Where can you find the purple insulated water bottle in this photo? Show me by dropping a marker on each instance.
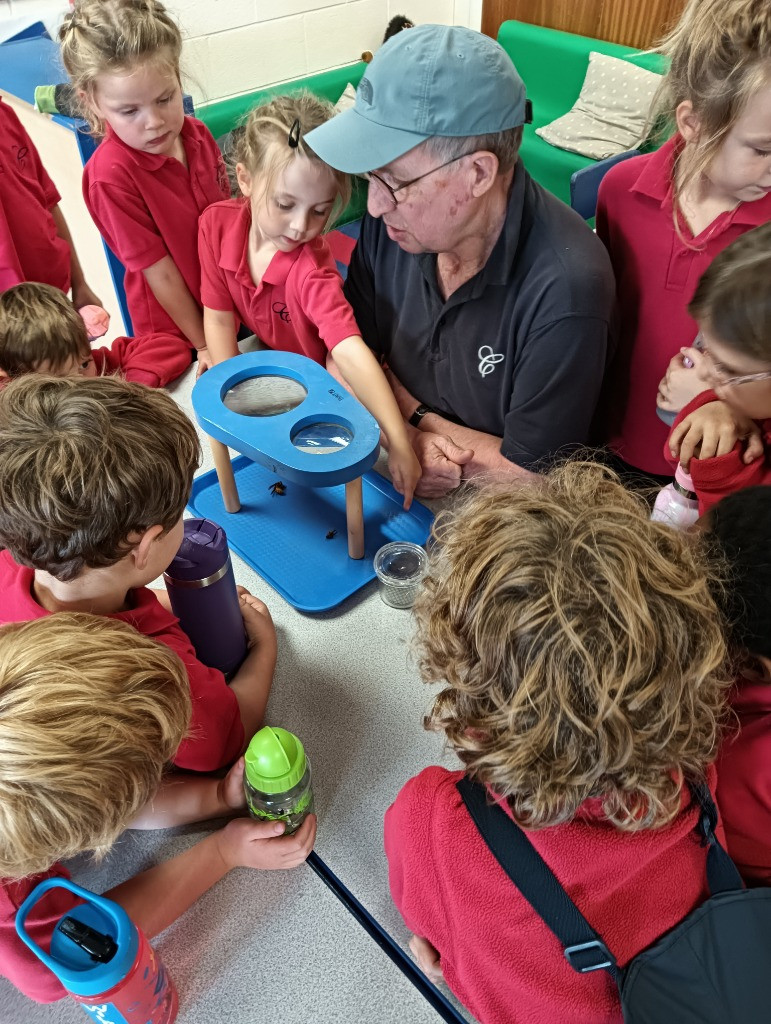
(202, 591)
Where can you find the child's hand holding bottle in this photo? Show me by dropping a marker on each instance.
(682, 382)
(244, 843)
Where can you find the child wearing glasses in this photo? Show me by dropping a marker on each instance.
(665, 215)
(723, 436)
(264, 264)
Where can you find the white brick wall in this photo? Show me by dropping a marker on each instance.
(236, 46)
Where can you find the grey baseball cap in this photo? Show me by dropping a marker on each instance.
(425, 81)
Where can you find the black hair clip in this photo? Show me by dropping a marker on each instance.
(294, 134)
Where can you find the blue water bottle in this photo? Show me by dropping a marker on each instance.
(103, 960)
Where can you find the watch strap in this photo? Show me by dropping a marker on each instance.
(417, 416)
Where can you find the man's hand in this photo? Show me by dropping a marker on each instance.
(681, 383)
(713, 430)
(442, 462)
(428, 959)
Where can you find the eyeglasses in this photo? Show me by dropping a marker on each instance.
(719, 374)
(371, 177)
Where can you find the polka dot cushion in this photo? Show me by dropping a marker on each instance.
(611, 112)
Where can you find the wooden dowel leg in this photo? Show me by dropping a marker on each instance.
(354, 514)
(227, 480)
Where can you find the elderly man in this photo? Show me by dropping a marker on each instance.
(488, 300)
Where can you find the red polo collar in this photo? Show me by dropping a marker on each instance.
(154, 161)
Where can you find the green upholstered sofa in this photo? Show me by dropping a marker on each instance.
(553, 65)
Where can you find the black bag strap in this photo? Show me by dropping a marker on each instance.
(722, 873)
(584, 949)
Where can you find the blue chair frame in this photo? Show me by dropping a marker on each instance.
(585, 184)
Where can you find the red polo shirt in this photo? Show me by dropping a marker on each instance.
(216, 735)
(30, 249)
(17, 961)
(147, 206)
(744, 782)
(298, 306)
(656, 276)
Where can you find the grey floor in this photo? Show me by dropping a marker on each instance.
(279, 946)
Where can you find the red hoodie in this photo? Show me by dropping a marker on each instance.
(715, 478)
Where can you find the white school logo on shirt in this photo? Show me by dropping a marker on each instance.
(488, 360)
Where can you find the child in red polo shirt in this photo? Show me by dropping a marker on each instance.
(582, 656)
(666, 215)
(35, 242)
(40, 332)
(90, 715)
(723, 436)
(740, 527)
(265, 264)
(156, 169)
(94, 477)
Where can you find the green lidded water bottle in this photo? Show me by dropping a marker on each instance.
(277, 778)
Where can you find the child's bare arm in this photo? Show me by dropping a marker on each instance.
(712, 430)
(81, 293)
(169, 288)
(251, 684)
(157, 897)
(182, 799)
(221, 334)
(362, 371)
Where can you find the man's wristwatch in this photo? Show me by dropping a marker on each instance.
(420, 412)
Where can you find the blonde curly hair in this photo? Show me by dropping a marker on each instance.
(583, 653)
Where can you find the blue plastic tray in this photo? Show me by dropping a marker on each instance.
(284, 537)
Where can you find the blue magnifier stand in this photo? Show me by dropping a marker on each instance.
(288, 414)
(306, 447)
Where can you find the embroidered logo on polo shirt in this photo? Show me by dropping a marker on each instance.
(488, 360)
(279, 308)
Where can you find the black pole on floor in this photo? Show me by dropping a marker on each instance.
(393, 951)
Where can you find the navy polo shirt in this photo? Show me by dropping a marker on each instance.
(519, 350)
